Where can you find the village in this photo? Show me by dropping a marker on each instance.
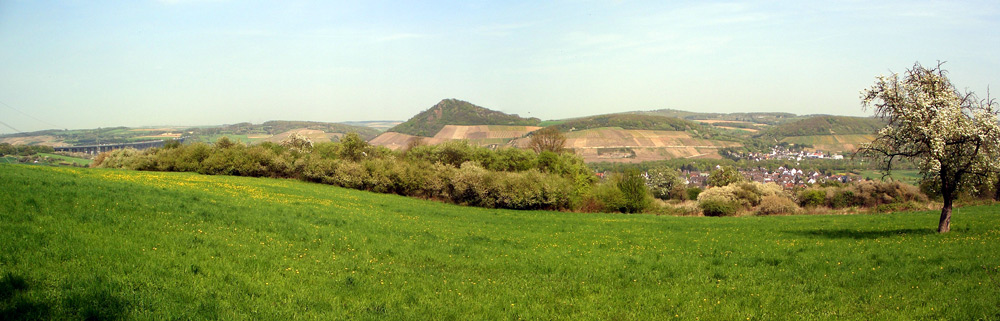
(788, 178)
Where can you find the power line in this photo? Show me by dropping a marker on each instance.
(11, 127)
(54, 126)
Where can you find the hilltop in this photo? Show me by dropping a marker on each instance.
(457, 112)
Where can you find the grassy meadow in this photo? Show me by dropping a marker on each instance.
(909, 176)
(110, 244)
(68, 159)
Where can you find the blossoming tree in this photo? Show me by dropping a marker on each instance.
(953, 137)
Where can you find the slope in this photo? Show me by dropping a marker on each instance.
(827, 125)
(457, 112)
(826, 133)
(109, 244)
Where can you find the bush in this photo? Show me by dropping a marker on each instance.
(607, 196)
(692, 192)
(729, 199)
(719, 207)
(776, 204)
(635, 197)
(473, 185)
(842, 198)
(812, 197)
(455, 171)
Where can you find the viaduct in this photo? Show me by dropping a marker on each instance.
(97, 149)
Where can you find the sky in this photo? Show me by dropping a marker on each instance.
(88, 64)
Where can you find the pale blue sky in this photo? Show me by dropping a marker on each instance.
(86, 64)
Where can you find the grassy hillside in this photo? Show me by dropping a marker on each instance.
(86, 243)
(249, 132)
(240, 131)
(457, 112)
(832, 143)
(827, 125)
(630, 121)
(756, 118)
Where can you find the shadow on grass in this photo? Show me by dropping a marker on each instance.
(859, 235)
(14, 305)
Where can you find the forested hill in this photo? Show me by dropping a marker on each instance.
(769, 118)
(630, 121)
(827, 125)
(457, 112)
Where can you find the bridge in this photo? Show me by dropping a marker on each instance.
(97, 149)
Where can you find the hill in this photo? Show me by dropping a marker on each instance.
(827, 125)
(615, 144)
(112, 244)
(275, 129)
(482, 135)
(629, 121)
(767, 118)
(246, 132)
(457, 112)
(381, 125)
(831, 143)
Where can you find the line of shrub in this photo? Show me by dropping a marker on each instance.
(454, 171)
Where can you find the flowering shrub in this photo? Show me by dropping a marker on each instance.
(730, 199)
(775, 204)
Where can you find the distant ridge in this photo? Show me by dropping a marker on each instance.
(827, 125)
(457, 112)
(630, 121)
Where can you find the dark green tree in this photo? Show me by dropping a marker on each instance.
(634, 193)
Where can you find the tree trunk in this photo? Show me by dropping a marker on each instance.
(945, 224)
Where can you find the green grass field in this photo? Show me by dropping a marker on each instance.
(79, 243)
(73, 160)
(908, 176)
(240, 138)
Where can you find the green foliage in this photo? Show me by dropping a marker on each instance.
(456, 112)
(826, 125)
(719, 207)
(723, 176)
(277, 127)
(693, 192)
(455, 171)
(768, 118)
(224, 142)
(812, 197)
(23, 150)
(629, 121)
(178, 246)
(635, 196)
(861, 194)
(352, 147)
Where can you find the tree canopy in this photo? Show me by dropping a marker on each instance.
(547, 139)
(953, 136)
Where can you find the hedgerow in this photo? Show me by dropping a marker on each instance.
(455, 171)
